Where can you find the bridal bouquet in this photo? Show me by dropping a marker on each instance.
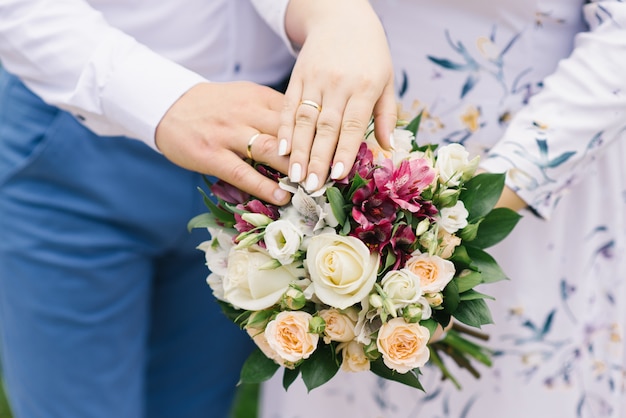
(361, 274)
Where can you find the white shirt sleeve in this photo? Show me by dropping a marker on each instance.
(67, 53)
(581, 109)
(274, 12)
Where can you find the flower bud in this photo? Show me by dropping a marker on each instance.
(293, 298)
(470, 168)
(256, 219)
(317, 325)
(389, 307)
(469, 232)
(429, 241)
(434, 299)
(259, 319)
(371, 351)
(376, 300)
(247, 239)
(422, 227)
(448, 197)
(412, 313)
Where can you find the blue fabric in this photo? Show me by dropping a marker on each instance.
(104, 308)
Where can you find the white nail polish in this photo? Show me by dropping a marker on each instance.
(296, 173)
(311, 183)
(337, 171)
(282, 147)
(392, 141)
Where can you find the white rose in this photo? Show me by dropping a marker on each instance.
(451, 161)
(248, 286)
(402, 287)
(339, 324)
(342, 269)
(447, 243)
(433, 271)
(288, 335)
(282, 240)
(216, 283)
(453, 218)
(403, 345)
(354, 358)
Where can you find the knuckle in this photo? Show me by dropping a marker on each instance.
(305, 119)
(239, 173)
(266, 146)
(328, 124)
(352, 125)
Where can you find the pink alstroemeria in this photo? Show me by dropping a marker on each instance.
(254, 206)
(401, 243)
(370, 207)
(375, 236)
(404, 184)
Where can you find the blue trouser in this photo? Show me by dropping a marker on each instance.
(104, 308)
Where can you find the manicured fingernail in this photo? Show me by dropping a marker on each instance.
(337, 171)
(296, 173)
(392, 141)
(280, 194)
(311, 182)
(282, 147)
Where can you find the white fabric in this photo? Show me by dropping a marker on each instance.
(560, 321)
(118, 65)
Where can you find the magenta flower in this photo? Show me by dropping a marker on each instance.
(404, 184)
(401, 245)
(375, 236)
(229, 193)
(254, 206)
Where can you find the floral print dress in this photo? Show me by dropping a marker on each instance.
(538, 88)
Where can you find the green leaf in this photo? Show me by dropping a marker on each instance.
(290, 376)
(320, 367)
(337, 203)
(204, 220)
(414, 125)
(356, 184)
(488, 267)
(468, 281)
(460, 258)
(221, 214)
(235, 315)
(409, 378)
(431, 324)
(495, 227)
(472, 294)
(474, 313)
(481, 193)
(450, 297)
(257, 368)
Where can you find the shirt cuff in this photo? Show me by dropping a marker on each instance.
(274, 12)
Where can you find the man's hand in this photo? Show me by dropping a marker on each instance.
(209, 128)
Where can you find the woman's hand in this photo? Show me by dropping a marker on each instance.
(342, 77)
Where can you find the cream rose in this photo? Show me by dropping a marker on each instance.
(434, 272)
(451, 162)
(403, 345)
(288, 335)
(453, 218)
(282, 239)
(354, 358)
(339, 324)
(248, 286)
(402, 287)
(342, 269)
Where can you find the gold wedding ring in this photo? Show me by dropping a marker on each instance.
(312, 104)
(250, 142)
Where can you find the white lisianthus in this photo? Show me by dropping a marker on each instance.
(402, 145)
(288, 335)
(452, 163)
(339, 324)
(247, 285)
(217, 249)
(282, 239)
(403, 345)
(402, 287)
(342, 269)
(354, 358)
(433, 271)
(453, 218)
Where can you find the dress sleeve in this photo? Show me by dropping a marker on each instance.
(580, 110)
(66, 53)
(274, 12)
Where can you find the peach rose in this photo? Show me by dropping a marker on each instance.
(434, 272)
(288, 335)
(354, 358)
(339, 325)
(403, 345)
